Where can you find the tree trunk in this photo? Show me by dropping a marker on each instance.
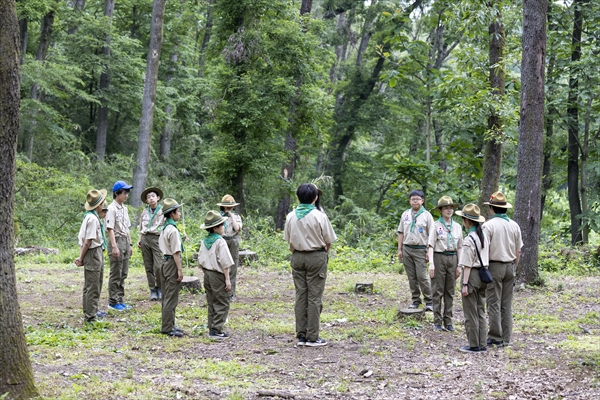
(573, 128)
(109, 7)
(492, 159)
(531, 131)
(78, 5)
(366, 33)
(16, 375)
(140, 171)
(207, 31)
(165, 136)
(23, 25)
(584, 155)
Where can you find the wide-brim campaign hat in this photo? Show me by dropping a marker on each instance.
(227, 201)
(445, 201)
(169, 205)
(498, 199)
(472, 212)
(213, 218)
(94, 198)
(156, 190)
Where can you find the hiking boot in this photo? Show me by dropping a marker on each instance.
(316, 343)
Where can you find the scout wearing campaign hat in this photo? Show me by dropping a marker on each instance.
(95, 198)
(227, 201)
(445, 201)
(213, 218)
(169, 205)
(498, 200)
(156, 190)
(472, 212)
(150, 223)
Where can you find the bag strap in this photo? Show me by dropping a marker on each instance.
(477, 250)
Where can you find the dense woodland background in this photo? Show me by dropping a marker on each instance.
(369, 99)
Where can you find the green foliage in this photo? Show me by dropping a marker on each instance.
(569, 261)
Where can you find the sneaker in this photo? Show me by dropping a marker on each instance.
(429, 307)
(449, 328)
(438, 328)
(316, 343)
(218, 335)
(174, 333)
(158, 293)
(301, 341)
(414, 306)
(125, 306)
(492, 342)
(468, 349)
(231, 298)
(116, 307)
(178, 329)
(101, 314)
(153, 295)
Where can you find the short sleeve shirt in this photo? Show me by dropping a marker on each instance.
(90, 229)
(312, 232)
(117, 218)
(157, 221)
(217, 258)
(169, 241)
(440, 240)
(229, 231)
(420, 234)
(468, 255)
(505, 239)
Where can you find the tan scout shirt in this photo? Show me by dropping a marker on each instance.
(313, 232)
(438, 237)
(169, 241)
(468, 255)
(420, 234)
(229, 231)
(217, 258)
(505, 239)
(117, 218)
(157, 222)
(90, 229)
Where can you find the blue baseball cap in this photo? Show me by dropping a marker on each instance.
(121, 185)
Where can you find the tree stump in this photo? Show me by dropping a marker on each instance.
(363, 288)
(246, 256)
(416, 313)
(192, 284)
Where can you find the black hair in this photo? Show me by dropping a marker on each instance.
(498, 210)
(118, 192)
(223, 208)
(478, 231)
(306, 193)
(168, 215)
(417, 193)
(212, 228)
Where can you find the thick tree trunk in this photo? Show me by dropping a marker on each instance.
(109, 7)
(492, 160)
(140, 171)
(531, 131)
(573, 128)
(167, 133)
(16, 375)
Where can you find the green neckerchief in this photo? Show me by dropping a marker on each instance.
(152, 215)
(170, 221)
(415, 216)
(472, 229)
(303, 209)
(224, 214)
(450, 236)
(93, 212)
(503, 216)
(211, 239)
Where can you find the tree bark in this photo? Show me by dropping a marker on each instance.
(573, 127)
(23, 25)
(531, 131)
(167, 133)
(140, 171)
(207, 32)
(16, 375)
(78, 5)
(109, 7)
(492, 159)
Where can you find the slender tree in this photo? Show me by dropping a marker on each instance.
(140, 171)
(16, 375)
(531, 137)
(109, 7)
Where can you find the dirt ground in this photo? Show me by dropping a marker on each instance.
(555, 352)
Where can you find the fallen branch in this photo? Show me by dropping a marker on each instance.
(276, 393)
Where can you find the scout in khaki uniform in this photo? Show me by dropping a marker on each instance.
(505, 250)
(119, 245)
(91, 253)
(151, 222)
(415, 226)
(233, 227)
(473, 289)
(445, 244)
(309, 234)
(171, 272)
(216, 262)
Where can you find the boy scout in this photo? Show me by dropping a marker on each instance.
(233, 227)
(309, 234)
(216, 262)
(91, 257)
(445, 243)
(171, 272)
(119, 245)
(151, 221)
(505, 250)
(413, 237)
